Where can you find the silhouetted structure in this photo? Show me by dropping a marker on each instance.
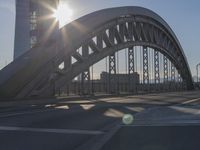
(143, 35)
(34, 23)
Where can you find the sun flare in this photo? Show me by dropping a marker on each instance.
(63, 14)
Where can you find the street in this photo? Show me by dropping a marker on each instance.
(70, 124)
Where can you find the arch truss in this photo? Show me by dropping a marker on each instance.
(87, 41)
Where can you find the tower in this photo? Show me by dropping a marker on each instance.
(34, 24)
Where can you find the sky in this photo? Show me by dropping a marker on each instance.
(183, 16)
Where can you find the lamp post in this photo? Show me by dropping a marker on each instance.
(197, 68)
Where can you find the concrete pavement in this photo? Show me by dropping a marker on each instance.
(64, 124)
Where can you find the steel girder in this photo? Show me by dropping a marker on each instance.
(85, 75)
(131, 67)
(112, 74)
(115, 29)
(165, 67)
(156, 67)
(145, 66)
(173, 74)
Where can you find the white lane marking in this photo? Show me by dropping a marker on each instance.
(190, 101)
(60, 131)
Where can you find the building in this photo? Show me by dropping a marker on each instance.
(120, 78)
(120, 82)
(34, 23)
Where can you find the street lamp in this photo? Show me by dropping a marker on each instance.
(197, 66)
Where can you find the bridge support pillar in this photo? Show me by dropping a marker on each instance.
(112, 74)
(131, 70)
(165, 69)
(112, 67)
(85, 76)
(173, 77)
(145, 69)
(156, 70)
(67, 65)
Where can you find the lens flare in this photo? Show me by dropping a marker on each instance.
(127, 119)
(63, 14)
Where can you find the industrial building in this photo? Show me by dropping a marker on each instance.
(34, 24)
(120, 78)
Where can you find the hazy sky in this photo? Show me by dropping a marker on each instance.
(182, 15)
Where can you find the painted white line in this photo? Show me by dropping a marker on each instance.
(59, 131)
(191, 101)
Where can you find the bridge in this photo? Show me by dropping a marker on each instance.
(154, 62)
(88, 40)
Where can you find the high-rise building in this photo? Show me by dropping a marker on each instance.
(34, 23)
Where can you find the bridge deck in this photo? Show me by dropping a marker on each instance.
(72, 124)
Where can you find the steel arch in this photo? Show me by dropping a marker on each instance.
(117, 28)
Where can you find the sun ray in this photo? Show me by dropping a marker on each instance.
(63, 14)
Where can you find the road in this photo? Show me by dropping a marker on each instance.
(73, 124)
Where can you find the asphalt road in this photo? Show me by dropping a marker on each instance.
(72, 124)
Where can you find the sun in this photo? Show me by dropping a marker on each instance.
(63, 14)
